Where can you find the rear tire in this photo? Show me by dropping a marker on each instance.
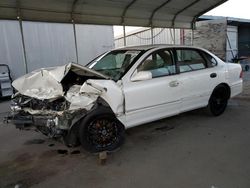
(100, 131)
(218, 101)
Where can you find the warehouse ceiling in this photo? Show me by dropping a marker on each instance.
(155, 13)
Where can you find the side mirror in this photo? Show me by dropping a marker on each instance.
(142, 75)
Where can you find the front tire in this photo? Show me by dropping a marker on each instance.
(101, 131)
(218, 101)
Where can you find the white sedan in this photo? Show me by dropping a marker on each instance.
(120, 89)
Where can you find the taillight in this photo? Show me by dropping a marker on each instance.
(241, 74)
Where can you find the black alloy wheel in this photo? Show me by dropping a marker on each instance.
(218, 100)
(101, 131)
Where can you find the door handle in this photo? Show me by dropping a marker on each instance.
(174, 83)
(213, 75)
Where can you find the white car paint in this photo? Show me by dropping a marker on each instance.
(110, 91)
(154, 99)
(150, 100)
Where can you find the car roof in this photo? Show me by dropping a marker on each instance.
(154, 46)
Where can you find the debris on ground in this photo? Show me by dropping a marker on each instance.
(34, 141)
(164, 128)
(103, 157)
(62, 151)
(75, 152)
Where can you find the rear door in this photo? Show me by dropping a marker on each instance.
(198, 77)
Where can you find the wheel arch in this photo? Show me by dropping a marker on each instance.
(73, 130)
(100, 110)
(227, 88)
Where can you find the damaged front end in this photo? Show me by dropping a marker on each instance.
(53, 100)
(52, 118)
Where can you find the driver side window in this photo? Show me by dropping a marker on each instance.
(159, 63)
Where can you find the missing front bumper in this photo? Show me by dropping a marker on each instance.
(48, 125)
(20, 121)
(52, 125)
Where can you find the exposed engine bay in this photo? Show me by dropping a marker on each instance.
(36, 104)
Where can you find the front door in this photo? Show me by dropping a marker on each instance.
(156, 98)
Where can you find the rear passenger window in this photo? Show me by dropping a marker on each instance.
(189, 60)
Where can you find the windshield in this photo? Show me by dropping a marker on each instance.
(115, 63)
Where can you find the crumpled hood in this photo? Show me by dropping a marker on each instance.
(45, 83)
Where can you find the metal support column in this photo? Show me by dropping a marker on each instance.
(23, 44)
(152, 35)
(182, 36)
(75, 39)
(124, 36)
(174, 34)
(192, 37)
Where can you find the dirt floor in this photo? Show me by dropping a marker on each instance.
(191, 150)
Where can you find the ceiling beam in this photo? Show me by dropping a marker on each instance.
(155, 10)
(125, 11)
(182, 10)
(18, 9)
(73, 7)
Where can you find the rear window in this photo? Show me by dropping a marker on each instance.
(189, 60)
(211, 61)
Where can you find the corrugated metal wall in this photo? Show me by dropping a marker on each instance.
(50, 44)
(93, 40)
(11, 50)
(160, 36)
